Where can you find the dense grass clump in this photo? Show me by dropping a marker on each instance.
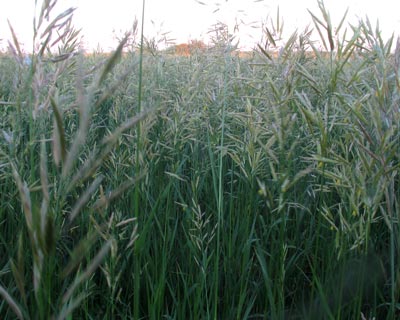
(142, 184)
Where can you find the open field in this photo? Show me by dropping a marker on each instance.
(208, 185)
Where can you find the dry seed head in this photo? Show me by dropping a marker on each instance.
(25, 198)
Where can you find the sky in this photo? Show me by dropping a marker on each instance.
(102, 21)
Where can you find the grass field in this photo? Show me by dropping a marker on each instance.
(146, 185)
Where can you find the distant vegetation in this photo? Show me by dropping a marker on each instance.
(201, 184)
(187, 49)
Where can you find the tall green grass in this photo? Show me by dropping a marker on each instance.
(147, 185)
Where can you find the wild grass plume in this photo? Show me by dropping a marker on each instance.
(210, 185)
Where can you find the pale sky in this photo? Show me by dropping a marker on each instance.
(186, 20)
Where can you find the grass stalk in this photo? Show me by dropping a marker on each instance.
(136, 200)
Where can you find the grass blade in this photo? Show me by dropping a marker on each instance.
(59, 141)
(94, 264)
(11, 302)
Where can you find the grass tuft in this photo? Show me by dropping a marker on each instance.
(209, 185)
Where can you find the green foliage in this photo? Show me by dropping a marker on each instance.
(257, 187)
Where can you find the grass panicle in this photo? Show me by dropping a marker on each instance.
(205, 183)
